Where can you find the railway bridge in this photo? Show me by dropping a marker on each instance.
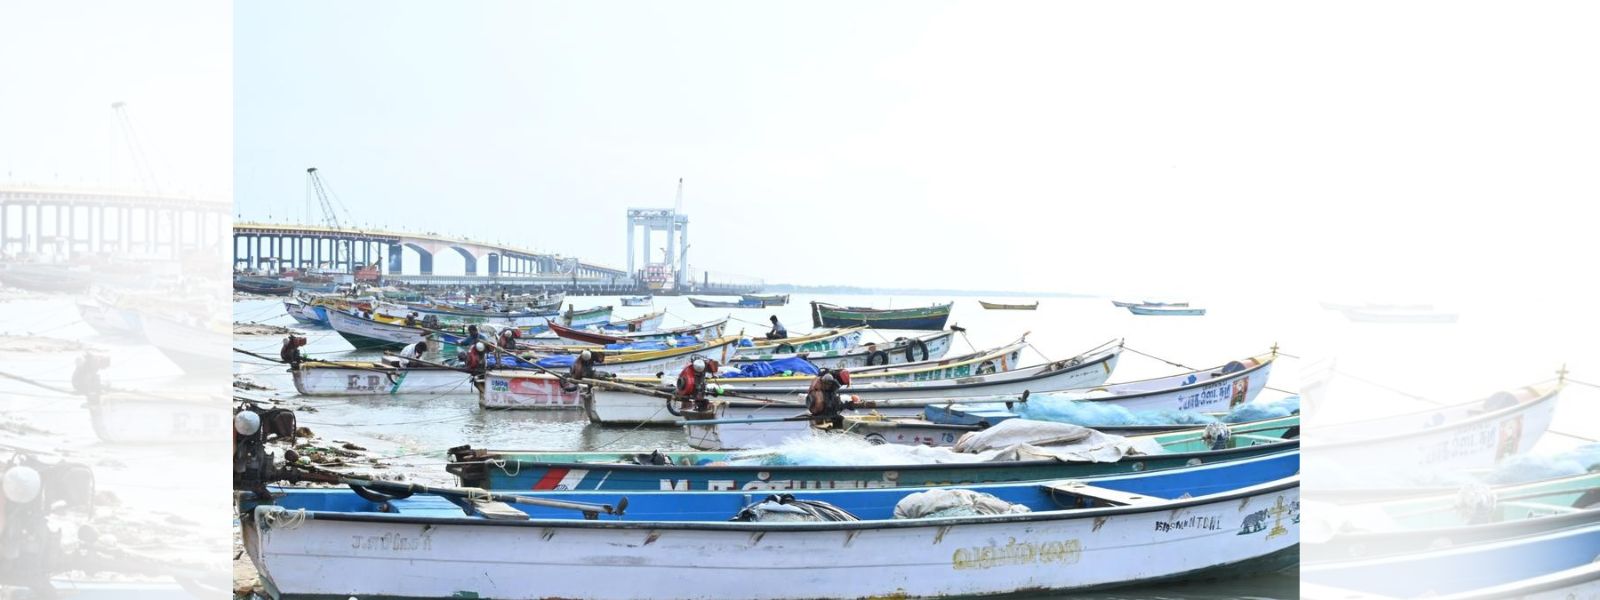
(274, 246)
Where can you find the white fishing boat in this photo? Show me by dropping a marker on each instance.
(529, 390)
(1206, 390)
(366, 334)
(1471, 435)
(962, 380)
(929, 346)
(196, 347)
(1065, 535)
(166, 417)
(361, 378)
(1167, 311)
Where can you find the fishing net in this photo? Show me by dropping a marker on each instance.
(953, 503)
(782, 508)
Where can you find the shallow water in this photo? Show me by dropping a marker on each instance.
(1490, 348)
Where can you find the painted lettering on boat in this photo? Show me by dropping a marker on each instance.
(1211, 523)
(392, 542)
(363, 383)
(1215, 393)
(890, 479)
(1467, 442)
(1015, 553)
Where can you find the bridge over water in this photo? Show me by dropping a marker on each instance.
(67, 221)
(262, 245)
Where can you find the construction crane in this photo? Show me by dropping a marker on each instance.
(142, 171)
(315, 188)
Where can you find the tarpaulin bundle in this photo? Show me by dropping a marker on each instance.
(784, 507)
(943, 502)
(785, 366)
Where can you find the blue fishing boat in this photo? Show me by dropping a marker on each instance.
(1507, 568)
(1229, 519)
(1167, 311)
(689, 471)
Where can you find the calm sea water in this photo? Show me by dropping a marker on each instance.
(1490, 348)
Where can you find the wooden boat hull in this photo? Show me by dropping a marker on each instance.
(924, 317)
(704, 303)
(836, 339)
(1457, 438)
(523, 390)
(768, 299)
(264, 287)
(1126, 304)
(1160, 311)
(1000, 306)
(640, 301)
(509, 470)
(1472, 570)
(368, 334)
(372, 379)
(934, 347)
(149, 418)
(424, 552)
(106, 320)
(306, 314)
(194, 348)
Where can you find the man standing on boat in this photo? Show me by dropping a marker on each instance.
(778, 332)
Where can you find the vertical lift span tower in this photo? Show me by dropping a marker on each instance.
(666, 275)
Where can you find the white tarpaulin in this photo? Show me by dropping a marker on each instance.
(943, 502)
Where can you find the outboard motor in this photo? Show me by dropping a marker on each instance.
(32, 489)
(253, 465)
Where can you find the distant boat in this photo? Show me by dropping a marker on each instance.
(266, 286)
(922, 317)
(740, 303)
(46, 277)
(1146, 303)
(768, 299)
(999, 306)
(1167, 311)
(1397, 314)
(637, 300)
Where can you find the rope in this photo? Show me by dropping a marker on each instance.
(284, 518)
(37, 384)
(501, 464)
(1152, 356)
(1583, 383)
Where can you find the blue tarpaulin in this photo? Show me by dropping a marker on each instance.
(787, 366)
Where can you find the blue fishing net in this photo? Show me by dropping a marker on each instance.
(1264, 409)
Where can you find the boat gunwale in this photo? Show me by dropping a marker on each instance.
(1521, 405)
(484, 457)
(1235, 375)
(1066, 514)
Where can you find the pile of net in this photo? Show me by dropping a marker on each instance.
(1011, 440)
(953, 503)
(1079, 408)
(784, 508)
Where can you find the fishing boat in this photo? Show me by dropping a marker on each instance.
(740, 303)
(929, 346)
(265, 286)
(1065, 535)
(306, 313)
(1412, 525)
(1147, 303)
(1167, 311)
(922, 317)
(507, 388)
(1555, 564)
(825, 339)
(1215, 389)
(767, 299)
(640, 324)
(462, 317)
(371, 334)
(637, 300)
(702, 331)
(639, 403)
(942, 380)
(365, 378)
(999, 306)
(105, 319)
(165, 417)
(1367, 314)
(1470, 435)
(49, 278)
(771, 470)
(718, 433)
(197, 347)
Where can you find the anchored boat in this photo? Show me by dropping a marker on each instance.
(1052, 536)
(930, 346)
(923, 317)
(1000, 306)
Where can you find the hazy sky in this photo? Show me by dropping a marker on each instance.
(62, 65)
(1366, 148)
